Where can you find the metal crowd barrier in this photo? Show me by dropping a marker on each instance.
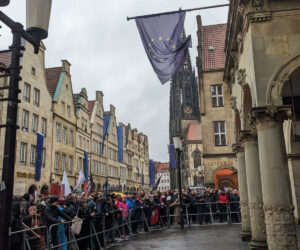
(102, 236)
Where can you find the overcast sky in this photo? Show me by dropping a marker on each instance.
(107, 54)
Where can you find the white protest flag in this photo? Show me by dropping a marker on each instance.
(66, 184)
(81, 179)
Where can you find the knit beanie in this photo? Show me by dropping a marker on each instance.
(53, 199)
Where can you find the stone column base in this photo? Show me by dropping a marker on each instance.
(245, 236)
(257, 245)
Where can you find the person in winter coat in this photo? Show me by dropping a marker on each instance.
(16, 240)
(125, 213)
(51, 214)
(235, 206)
(83, 213)
(61, 228)
(33, 220)
(223, 201)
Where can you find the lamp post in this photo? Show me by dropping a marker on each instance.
(178, 148)
(38, 15)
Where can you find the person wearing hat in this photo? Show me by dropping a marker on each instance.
(51, 214)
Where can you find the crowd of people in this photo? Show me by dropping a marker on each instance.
(113, 216)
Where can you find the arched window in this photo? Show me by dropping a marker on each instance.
(197, 158)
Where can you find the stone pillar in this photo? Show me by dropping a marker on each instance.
(276, 187)
(257, 218)
(246, 227)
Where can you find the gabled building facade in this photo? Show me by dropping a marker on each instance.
(64, 123)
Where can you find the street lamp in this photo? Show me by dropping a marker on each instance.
(178, 148)
(38, 15)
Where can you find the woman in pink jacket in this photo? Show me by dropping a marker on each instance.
(123, 206)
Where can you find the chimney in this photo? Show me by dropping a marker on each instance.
(66, 66)
(99, 96)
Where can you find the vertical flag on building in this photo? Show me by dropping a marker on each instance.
(66, 185)
(151, 172)
(143, 177)
(81, 179)
(172, 156)
(161, 35)
(39, 156)
(86, 170)
(138, 170)
(120, 143)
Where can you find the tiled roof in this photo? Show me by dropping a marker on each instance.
(213, 46)
(52, 78)
(91, 108)
(194, 132)
(5, 58)
(161, 167)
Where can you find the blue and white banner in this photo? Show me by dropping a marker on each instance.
(39, 156)
(86, 166)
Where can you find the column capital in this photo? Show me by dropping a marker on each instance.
(273, 113)
(247, 135)
(237, 148)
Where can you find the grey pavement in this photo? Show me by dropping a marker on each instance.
(212, 237)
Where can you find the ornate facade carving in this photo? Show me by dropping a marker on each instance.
(257, 218)
(281, 232)
(241, 77)
(258, 4)
(232, 103)
(237, 148)
(247, 135)
(276, 113)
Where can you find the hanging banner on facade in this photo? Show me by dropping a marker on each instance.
(143, 177)
(106, 120)
(151, 172)
(39, 156)
(120, 143)
(172, 156)
(86, 166)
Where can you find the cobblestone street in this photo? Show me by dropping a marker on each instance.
(216, 237)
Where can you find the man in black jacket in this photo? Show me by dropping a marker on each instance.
(51, 214)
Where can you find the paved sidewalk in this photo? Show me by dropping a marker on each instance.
(212, 237)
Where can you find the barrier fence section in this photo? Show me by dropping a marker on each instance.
(104, 231)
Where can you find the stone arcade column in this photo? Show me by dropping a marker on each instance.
(276, 189)
(257, 218)
(240, 155)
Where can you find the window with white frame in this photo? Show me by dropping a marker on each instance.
(220, 133)
(36, 97)
(70, 164)
(44, 126)
(58, 130)
(23, 153)
(26, 92)
(63, 108)
(35, 120)
(25, 119)
(63, 163)
(56, 161)
(65, 134)
(32, 155)
(217, 95)
(93, 166)
(71, 138)
(68, 111)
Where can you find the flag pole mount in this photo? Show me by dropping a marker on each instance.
(187, 10)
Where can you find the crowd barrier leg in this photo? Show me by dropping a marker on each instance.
(211, 215)
(187, 216)
(96, 236)
(103, 232)
(229, 213)
(145, 221)
(116, 226)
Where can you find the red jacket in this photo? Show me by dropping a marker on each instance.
(223, 198)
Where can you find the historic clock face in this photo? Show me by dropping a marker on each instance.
(188, 110)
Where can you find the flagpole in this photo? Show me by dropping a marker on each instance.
(187, 10)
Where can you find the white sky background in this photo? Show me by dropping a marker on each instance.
(107, 54)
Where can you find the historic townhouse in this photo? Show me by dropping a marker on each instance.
(73, 128)
(34, 116)
(64, 123)
(219, 162)
(128, 156)
(111, 147)
(83, 130)
(98, 159)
